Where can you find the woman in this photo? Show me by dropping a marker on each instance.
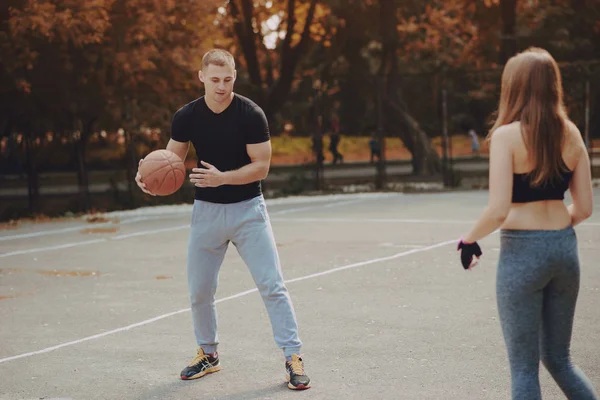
(536, 154)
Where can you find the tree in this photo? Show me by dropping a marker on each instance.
(76, 64)
(273, 84)
(508, 42)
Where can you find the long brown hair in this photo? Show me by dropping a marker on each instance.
(532, 93)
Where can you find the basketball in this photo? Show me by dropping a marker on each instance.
(163, 172)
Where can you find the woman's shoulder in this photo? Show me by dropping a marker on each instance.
(508, 129)
(574, 143)
(509, 134)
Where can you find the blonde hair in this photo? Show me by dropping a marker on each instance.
(218, 57)
(532, 93)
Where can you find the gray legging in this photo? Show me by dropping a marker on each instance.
(537, 286)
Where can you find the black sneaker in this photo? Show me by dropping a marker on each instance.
(201, 365)
(296, 378)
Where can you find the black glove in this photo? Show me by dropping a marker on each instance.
(468, 250)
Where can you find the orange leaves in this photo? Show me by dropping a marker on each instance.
(23, 86)
(443, 33)
(491, 3)
(79, 22)
(107, 59)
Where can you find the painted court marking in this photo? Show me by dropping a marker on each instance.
(385, 220)
(180, 211)
(235, 296)
(395, 220)
(339, 203)
(77, 228)
(153, 231)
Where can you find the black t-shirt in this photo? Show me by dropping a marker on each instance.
(220, 140)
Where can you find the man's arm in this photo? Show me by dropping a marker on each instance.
(179, 145)
(258, 169)
(179, 148)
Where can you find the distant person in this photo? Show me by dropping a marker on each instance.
(474, 141)
(335, 140)
(375, 148)
(536, 155)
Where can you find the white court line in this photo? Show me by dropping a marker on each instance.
(235, 296)
(339, 203)
(395, 220)
(79, 227)
(168, 213)
(388, 220)
(142, 233)
(64, 246)
(150, 232)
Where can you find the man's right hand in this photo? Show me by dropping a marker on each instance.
(140, 183)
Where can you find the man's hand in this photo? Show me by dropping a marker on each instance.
(207, 177)
(140, 183)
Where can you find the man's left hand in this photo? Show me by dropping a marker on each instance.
(207, 177)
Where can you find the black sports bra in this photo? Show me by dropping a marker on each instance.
(523, 192)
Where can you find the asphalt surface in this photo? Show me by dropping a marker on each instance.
(100, 310)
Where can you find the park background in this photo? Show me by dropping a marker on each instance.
(87, 88)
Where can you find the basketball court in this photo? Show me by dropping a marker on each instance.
(101, 311)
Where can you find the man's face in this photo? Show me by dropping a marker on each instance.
(218, 82)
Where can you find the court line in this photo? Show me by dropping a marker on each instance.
(93, 241)
(171, 214)
(395, 220)
(79, 227)
(62, 246)
(153, 231)
(339, 203)
(389, 220)
(235, 296)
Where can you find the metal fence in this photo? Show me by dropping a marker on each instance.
(420, 109)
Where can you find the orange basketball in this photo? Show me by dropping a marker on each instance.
(163, 172)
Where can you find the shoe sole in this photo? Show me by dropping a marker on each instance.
(299, 387)
(201, 374)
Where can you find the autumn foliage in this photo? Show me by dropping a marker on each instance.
(72, 69)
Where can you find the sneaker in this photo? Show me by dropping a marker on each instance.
(201, 365)
(296, 378)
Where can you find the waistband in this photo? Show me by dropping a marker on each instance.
(537, 233)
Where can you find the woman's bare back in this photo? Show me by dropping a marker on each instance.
(546, 214)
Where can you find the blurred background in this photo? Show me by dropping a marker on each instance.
(360, 94)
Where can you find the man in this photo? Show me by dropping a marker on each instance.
(231, 136)
(334, 138)
(474, 141)
(375, 148)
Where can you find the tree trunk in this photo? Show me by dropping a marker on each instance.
(274, 97)
(131, 163)
(425, 160)
(33, 186)
(508, 41)
(82, 171)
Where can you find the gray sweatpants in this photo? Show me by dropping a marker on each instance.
(537, 286)
(245, 224)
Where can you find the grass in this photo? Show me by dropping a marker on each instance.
(297, 150)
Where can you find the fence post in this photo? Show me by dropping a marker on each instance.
(587, 114)
(445, 169)
(380, 179)
(318, 136)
